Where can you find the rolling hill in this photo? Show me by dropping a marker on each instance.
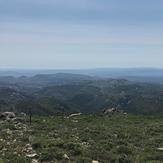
(48, 94)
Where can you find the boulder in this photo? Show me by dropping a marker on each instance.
(94, 161)
(23, 114)
(34, 161)
(65, 156)
(8, 115)
(160, 149)
(19, 121)
(2, 116)
(112, 110)
(34, 155)
(75, 114)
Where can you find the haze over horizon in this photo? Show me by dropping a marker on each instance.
(51, 34)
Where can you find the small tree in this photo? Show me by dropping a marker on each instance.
(30, 116)
(29, 108)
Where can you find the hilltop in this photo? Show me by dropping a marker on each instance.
(116, 138)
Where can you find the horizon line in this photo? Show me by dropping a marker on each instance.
(91, 68)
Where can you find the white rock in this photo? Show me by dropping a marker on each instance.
(15, 153)
(75, 114)
(8, 143)
(4, 149)
(9, 131)
(34, 155)
(23, 114)
(66, 157)
(94, 161)
(34, 161)
(160, 149)
(9, 114)
(75, 121)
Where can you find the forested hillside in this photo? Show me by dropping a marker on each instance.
(49, 94)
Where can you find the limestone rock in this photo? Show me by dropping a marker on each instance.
(160, 149)
(65, 156)
(94, 161)
(34, 161)
(34, 155)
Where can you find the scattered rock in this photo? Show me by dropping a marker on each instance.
(115, 135)
(2, 116)
(8, 131)
(160, 149)
(75, 114)
(65, 156)
(75, 121)
(19, 121)
(8, 143)
(23, 114)
(34, 155)
(7, 115)
(31, 138)
(94, 161)
(112, 110)
(4, 149)
(15, 153)
(28, 149)
(34, 161)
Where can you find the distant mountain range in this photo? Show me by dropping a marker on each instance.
(150, 75)
(47, 94)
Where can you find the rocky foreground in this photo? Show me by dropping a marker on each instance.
(81, 139)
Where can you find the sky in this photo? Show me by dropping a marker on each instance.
(63, 34)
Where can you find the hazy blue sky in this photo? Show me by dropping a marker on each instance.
(81, 33)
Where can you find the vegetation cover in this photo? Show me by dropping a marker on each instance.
(116, 138)
(50, 94)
